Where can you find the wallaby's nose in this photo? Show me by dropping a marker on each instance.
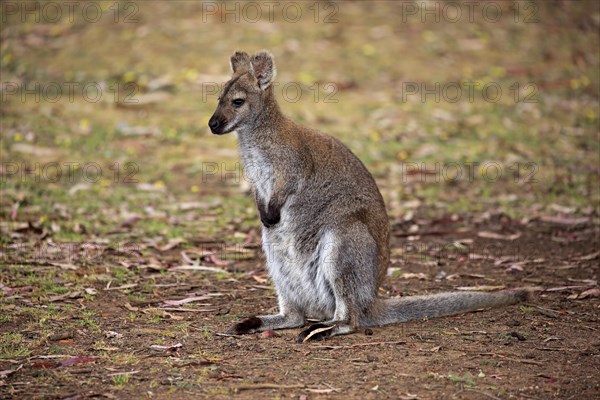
(213, 123)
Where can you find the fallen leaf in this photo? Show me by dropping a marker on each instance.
(148, 187)
(44, 364)
(563, 209)
(481, 288)
(564, 220)
(595, 292)
(410, 275)
(130, 221)
(198, 268)
(217, 261)
(34, 150)
(130, 307)
(65, 266)
(589, 257)
(319, 330)
(174, 242)
(168, 348)
(259, 278)
(128, 286)
(70, 295)
(124, 373)
(185, 301)
(409, 396)
(322, 391)
(79, 187)
(515, 267)
(9, 372)
(495, 235)
(562, 288)
(113, 335)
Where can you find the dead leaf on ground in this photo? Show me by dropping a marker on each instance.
(260, 278)
(130, 307)
(198, 268)
(319, 330)
(9, 372)
(322, 391)
(552, 219)
(562, 288)
(166, 348)
(123, 373)
(70, 295)
(113, 335)
(411, 275)
(172, 244)
(481, 288)
(589, 257)
(122, 287)
(185, 301)
(595, 292)
(217, 261)
(34, 150)
(498, 236)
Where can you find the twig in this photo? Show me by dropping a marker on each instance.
(548, 312)
(198, 268)
(483, 393)
(185, 309)
(259, 386)
(521, 360)
(351, 346)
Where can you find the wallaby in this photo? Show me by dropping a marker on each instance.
(325, 228)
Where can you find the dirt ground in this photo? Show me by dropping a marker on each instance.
(117, 281)
(547, 348)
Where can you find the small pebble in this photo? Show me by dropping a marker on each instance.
(368, 332)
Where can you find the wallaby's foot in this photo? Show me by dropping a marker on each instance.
(250, 325)
(266, 322)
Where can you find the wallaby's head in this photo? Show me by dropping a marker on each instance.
(243, 97)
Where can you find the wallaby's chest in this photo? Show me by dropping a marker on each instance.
(258, 169)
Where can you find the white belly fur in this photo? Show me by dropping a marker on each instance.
(288, 267)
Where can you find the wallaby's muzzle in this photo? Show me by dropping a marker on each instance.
(216, 125)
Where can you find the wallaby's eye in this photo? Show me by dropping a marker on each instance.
(238, 102)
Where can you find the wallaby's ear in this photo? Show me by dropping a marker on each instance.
(239, 59)
(264, 68)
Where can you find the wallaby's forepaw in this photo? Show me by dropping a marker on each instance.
(247, 326)
(315, 332)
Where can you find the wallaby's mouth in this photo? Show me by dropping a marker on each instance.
(216, 126)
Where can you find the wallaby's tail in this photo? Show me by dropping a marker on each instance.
(401, 309)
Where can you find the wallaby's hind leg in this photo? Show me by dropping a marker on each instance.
(288, 317)
(351, 268)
